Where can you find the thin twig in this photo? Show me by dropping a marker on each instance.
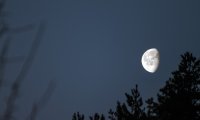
(2, 61)
(42, 102)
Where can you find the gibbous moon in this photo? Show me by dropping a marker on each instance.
(150, 60)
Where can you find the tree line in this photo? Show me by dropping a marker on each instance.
(179, 99)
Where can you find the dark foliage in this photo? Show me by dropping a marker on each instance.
(77, 116)
(179, 99)
(97, 117)
(151, 113)
(132, 110)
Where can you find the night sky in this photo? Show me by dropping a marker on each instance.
(92, 49)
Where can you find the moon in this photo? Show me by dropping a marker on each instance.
(150, 60)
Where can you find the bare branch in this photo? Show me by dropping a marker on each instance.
(2, 61)
(25, 69)
(42, 102)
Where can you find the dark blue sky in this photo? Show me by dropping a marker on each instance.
(93, 48)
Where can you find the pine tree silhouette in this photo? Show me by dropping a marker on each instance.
(77, 116)
(151, 109)
(179, 99)
(134, 110)
(97, 117)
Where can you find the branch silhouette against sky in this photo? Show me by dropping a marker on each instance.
(6, 34)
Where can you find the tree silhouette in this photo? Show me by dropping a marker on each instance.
(151, 109)
(179, 99)
(97, 117)
(134, 110)
(77, 116)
